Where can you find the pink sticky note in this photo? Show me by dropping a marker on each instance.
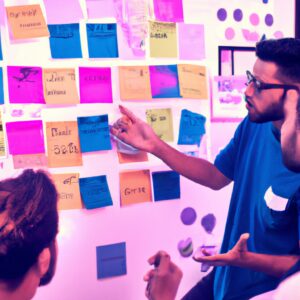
(70, 12)
(191, 41)
(25, 137)
(95, 85)
(168, 10)
(100, 9)
(25, 85)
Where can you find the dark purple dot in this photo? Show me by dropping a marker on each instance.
(188, 216)
(222, 14)
(269, 20)
(265, 1)
(238, 15)
(209, 222)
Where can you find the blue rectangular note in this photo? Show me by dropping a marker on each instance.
(1, 87)
(192, 128)
(94, 133)
(166, 185)
(102, 40)
(111, 260)
(95, 192)
(65, 41)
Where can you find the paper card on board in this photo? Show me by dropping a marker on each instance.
(134, 83)
(192, 81)
(60, 86)
(67, 186)
(26, 21)
(63, 144)
(135, 187)
(1, 87)
(163, 39)
(24, 161)
(100, 9)
(161, 121)
(125, 158)
(168, 10)
(2, 137)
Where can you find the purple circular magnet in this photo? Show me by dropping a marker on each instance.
(229, 33)
(269, 20)
(222, 14)
(254, 19)
(188, 216)
(209, 222)
(238, 15)
(185, 247)
(265, 1)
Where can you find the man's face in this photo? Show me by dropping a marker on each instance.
(267, 104)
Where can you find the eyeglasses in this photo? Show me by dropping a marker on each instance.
(259, 86)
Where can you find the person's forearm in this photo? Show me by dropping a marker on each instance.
(196, 169)
(274, 265)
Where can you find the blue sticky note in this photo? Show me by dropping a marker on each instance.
(95, 192)
(166, 185)
(94, 133)
(111, 260)
(65, 41)
(102, 40)
(191, 128)
(1, 87)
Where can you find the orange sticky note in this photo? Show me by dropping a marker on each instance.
(2, 139)
(135, 83)
(192, 81)
(60, 86)
(24, 161)
(26, 21)
(135, 187)
(129, 158)
(67, 186)
(63, 144)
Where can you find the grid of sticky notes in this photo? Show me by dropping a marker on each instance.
(167, 33)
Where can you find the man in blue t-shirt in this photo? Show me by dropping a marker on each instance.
(262, 202)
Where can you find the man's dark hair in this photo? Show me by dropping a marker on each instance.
(285, 53)
(28, 221)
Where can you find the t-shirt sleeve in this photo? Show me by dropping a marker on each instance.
(226, 159)
(296, 199)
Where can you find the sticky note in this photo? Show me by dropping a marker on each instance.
(134, 83)
(67, 186)
(168, 10)
(100, 9)
(1, 87)
(191, 45)
(25, 137)
(191, 129)
(135, 187)
(111, 260)
(102, 40)
(25, 85)
(166, 185)
(63, 144)
(2, 138)
(192, 81)
(65, 41)
(26, 21)
(95, 192)
(162, 122)
(124, 158)
(94, 133)
(24, 161)
(163, 39)
(71, 11)
(95, 85)
(1, 56)
(60, 86)
(164, 81)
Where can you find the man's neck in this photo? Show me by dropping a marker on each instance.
(278, 124)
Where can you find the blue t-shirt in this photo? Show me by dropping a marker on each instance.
(261, 204)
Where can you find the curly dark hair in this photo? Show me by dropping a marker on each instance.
(28, 221)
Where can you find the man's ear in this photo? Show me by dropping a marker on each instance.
(43, 261)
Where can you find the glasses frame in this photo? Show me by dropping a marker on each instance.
(259, 85)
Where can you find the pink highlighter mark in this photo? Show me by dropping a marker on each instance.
(229, 33)
(254, 19)
(278, 34)
(250, 36)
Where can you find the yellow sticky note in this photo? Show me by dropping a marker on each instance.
(63, 144)
(2, 139)
(67, 186)
(192, 81)
(24, 161)
(124, 158)
(60, 86)
(134, 83)
(163, 39)
(135, 187)
(26, 21)
(162, 123)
